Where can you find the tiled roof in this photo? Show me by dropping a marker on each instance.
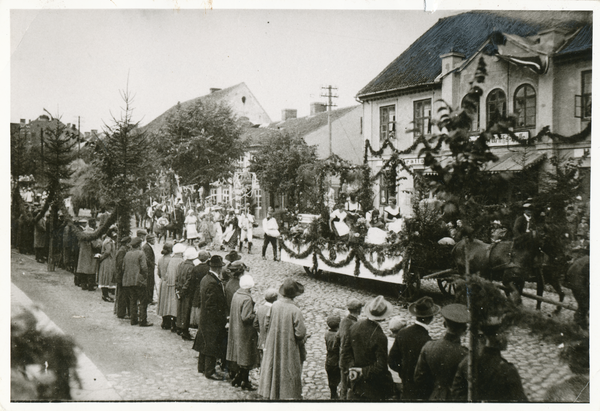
(463, 33)
(296, 126)
(581, 41)
(217, 96)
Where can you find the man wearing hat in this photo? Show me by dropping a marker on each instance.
(151, 262)
(408, 344)
(242, 347)
(524, 224)
(365, 353)
(354, 308)
(135, 280)
(121, 297)
(496, 380)
(281, 367)
(439, 359)
(192, 286)
(184, 307)
(87, 264)
(211, 337)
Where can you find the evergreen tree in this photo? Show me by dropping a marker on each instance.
(59, 142)
(123, 165)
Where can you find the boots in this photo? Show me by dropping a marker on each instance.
(240, 247)
(105, 296)
(173, 324)
(249, 247)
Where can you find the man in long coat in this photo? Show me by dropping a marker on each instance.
(364, 350)
(439, 359)
(184, 306)
(210, 339)
(121, 297)
(242, 342)
(135, 277)
(151, 262)
(281, 368)
(407, 347)
(86, 264)
(39, 240)
(354, 308)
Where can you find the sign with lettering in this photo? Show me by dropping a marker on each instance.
(414, 161)
(505, 139)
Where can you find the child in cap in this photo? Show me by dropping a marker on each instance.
(332, 361)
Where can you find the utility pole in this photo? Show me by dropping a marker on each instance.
(78, 137)
(329, 92)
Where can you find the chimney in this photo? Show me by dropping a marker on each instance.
(450, 61)
(316, 108)
(95, 132)
(288, 113)
(551, 39)
(23, 121)
(213, 89)
(87, 134)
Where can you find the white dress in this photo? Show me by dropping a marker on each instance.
(190, 227)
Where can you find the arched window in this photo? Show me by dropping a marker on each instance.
(471, 104)
(495, 106)
(525, 106)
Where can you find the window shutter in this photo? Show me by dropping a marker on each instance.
(578, 113)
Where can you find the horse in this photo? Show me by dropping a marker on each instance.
(578, 280)
(510, 262)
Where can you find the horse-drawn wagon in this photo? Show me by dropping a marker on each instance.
(400, 265)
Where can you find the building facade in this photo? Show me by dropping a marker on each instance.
(539, 70)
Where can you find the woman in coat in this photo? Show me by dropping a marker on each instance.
(242, 346)
(167, 299)
(281, 368)
(106, 271)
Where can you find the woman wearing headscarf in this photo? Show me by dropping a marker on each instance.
(167, 299)
(281, 368)
(242, 340)
(106, 271)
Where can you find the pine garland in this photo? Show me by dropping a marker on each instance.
(381, 273)
(333, 264)
(296, 255)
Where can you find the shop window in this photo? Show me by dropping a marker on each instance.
(422, 117)
(469, 102)
(525, 106)
(583, 102)
(495, 107)
(387, 122)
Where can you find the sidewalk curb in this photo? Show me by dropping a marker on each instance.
(94, 385)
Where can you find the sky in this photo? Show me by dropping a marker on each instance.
(75, 63)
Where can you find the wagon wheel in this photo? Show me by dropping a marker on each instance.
(447, 286)
(313, 273)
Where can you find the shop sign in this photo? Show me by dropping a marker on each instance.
(505, 139)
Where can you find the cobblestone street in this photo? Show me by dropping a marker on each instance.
(154, 364)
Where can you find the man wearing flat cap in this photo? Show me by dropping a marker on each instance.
(364, 351)
(408, 344)
(439, 359)
(281, 368)
(211, 340)
(354, 308)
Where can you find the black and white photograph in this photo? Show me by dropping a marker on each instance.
(332, 203)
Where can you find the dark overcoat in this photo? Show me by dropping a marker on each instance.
(242, 339)
(211, 337)
(151, 263)
(230, 288)
(135, 270)
(344, 331)
(404, 356)
(192, 285)
(39, 234)
(496, 379)
(437, 366)
(366, 347)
